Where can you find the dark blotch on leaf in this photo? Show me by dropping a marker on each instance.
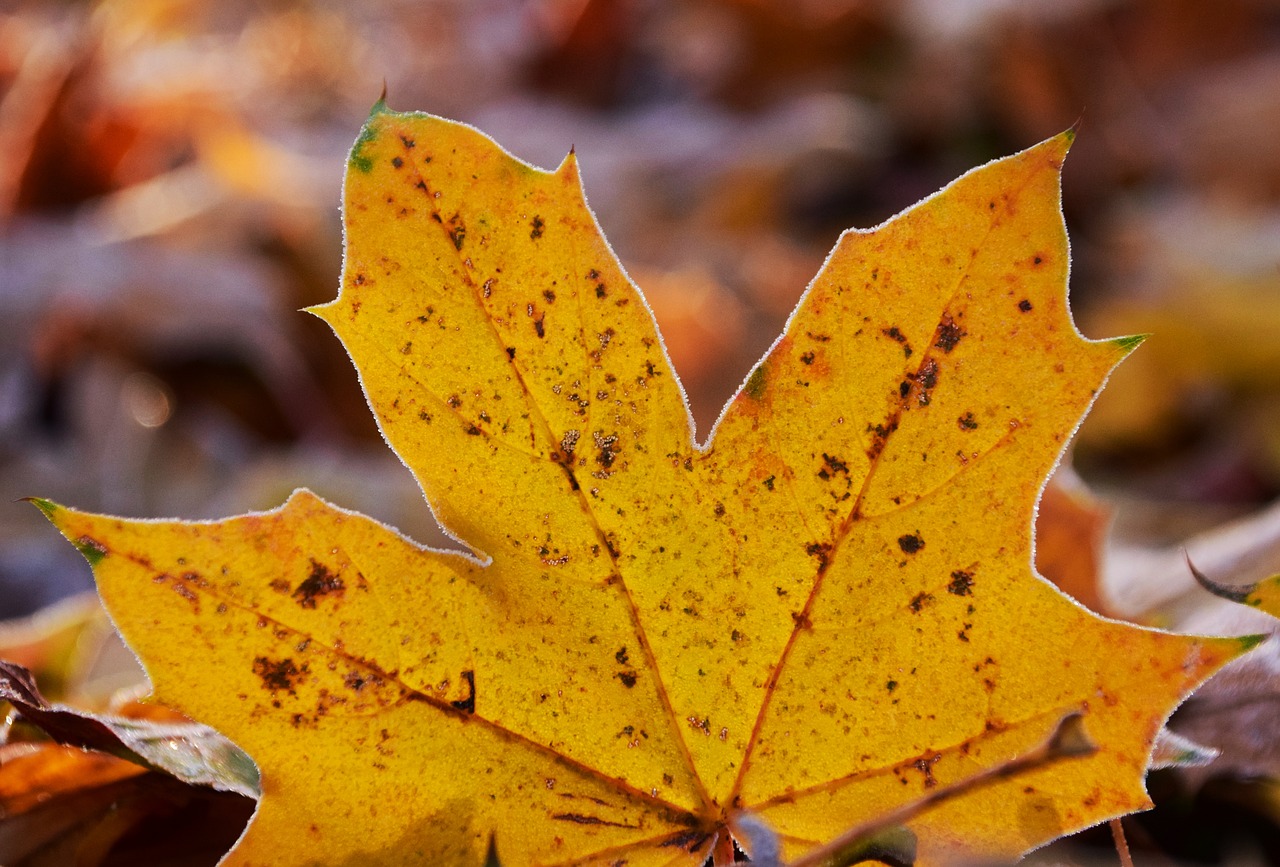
(278, 675)
(538, 226)
(961, 583)
(606, 445)
(949, 334)
(468, 704)
(1024, 305)
(820, 550)
(321, 582)
(910, 543)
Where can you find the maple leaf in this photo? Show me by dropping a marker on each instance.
(819, 616)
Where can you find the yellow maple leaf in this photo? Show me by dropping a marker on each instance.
(820, 615)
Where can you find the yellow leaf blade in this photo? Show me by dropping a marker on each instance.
(296, 634)
(824, 612)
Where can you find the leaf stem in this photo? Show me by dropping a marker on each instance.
(1122, 845)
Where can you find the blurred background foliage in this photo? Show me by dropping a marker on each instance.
(170, 174)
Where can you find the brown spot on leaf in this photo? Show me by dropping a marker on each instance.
(880, 437)
(820, 550)
(580, 819)
(967, 422)
(321, 582)
(1024, 305)
(910, 543)
(180, 587)
(607, 449)
(949, 334)
(926, 379)
(918, 601)
(925, 766)
(538, 226)
(357, 681)
(833, 465)
(628, 678)
(961, 583)
(280, 675)
(468, 704)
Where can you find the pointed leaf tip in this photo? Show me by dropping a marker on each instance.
(1249, 642)
(47, 506)
(1130, 342)
(1223, 591)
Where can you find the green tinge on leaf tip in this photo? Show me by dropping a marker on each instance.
(1130, 342)
(1249, 642)
(46, 506)
(367, 134)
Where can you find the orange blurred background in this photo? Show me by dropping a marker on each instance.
(170, 175)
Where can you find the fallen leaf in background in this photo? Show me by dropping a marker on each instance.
(64, 805)
(60, 645)
(188, 751)
(861, 519)
(1235, 712)
(1071, 531)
